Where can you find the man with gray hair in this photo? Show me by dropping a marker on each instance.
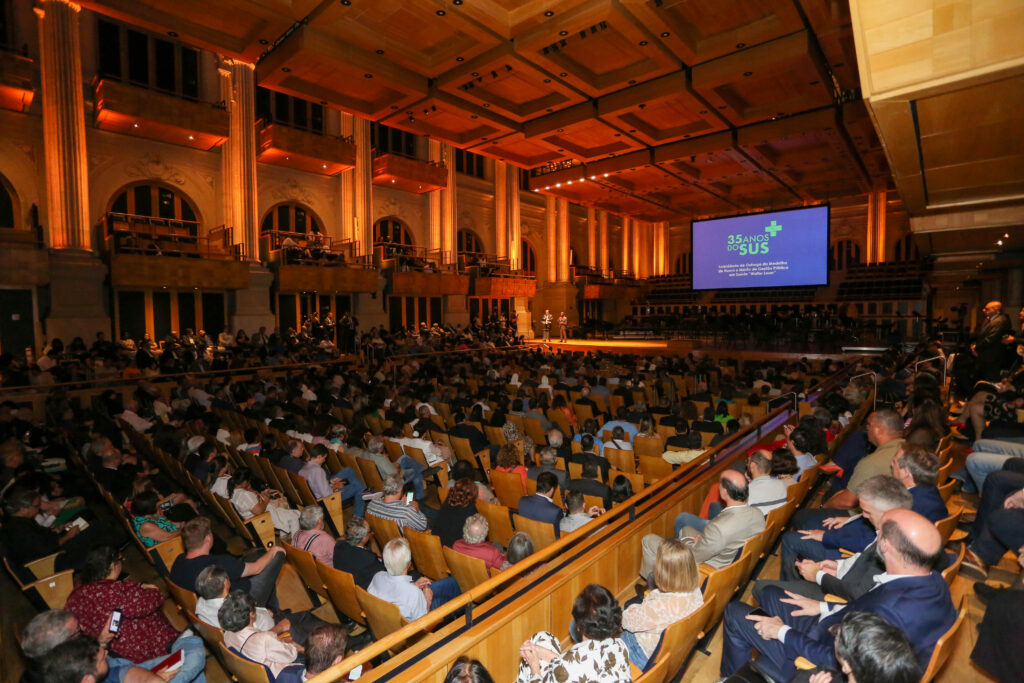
(474, 543)
(312, 537)
(351, 554)
(875, 496)
(394, 506)
(413, 598)
(412, 471)
(548, 462)
(55, 627)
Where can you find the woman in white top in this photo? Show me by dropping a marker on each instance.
(249, 503)
(219, 476)
(236, 616)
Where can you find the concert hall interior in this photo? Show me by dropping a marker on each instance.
(298, 225)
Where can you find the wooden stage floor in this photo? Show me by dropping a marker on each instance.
(673, 347)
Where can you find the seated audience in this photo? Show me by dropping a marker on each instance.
(250, 498)
(150, 527)
(413, 598)
(590, 484)
(520, 546)
(345, 480)
(325, 647)
(475, 544)
(766, 493)
(868, 648)
(509, 461)
(599, 656)
(466, 670)
(548, 463)
(393, 506)
(999, 525)
(351, 554)
(237, 615)
(576, 514)
(459, 506)
(622, 489)
(540, 506)
(312, 536)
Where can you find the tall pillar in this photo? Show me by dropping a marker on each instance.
(627, 243)
(501, 209)
(640, 251)
(592, 237)
(362, 186)
(551, 238)
(563, 240)
(77, 300)
(436, 155)
(602, 240)
(348, 186)
(249, 308)
(238, 154)
(449, 206)
(515, 228)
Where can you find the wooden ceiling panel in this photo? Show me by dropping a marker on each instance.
(518, 150)
(699, 31)
(807, 152)
(507, 84)
(236, 28)
(660, 111)
(578, 133)
(862, 133)
(831, 22)
(421, 36)
(510, 18)
(772, 79)
(314, 66)
(597, 48)
(443, 117)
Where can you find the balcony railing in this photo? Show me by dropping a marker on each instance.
(409, 174)
(150, 113)
(153, 236)
(305, 150)
(308, 249)
(16, 74)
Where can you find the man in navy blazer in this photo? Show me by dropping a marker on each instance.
(540, 507)
(918, 469)
(909, 595)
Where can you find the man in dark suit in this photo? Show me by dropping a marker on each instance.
(540, 507)
(589, 455)
(585, 400)
(590, 484)
(909, 595)
(351, 554)
(988, 344)
(477, 441)
(548, 460)
(293, 462)
(917, 468)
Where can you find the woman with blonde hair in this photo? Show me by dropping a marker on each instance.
(676, 596)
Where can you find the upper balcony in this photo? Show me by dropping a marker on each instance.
(149, 113)
(409, 174)
(16, 89)
(305, 151)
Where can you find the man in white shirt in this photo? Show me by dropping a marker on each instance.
(766, 492)
(134, 420)
(413, 598)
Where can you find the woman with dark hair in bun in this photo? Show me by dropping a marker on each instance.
(599, 656)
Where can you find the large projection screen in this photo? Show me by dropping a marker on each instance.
(771, 249)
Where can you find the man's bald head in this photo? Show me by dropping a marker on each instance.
(733, 487)
(993, 308)
(913, 544)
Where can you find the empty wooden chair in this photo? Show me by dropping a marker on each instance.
(621, 459)
(426, 553)
(468, 571)
(508, 487)
(541, 533)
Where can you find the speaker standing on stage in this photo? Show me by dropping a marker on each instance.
(563, 323)
(545, 322)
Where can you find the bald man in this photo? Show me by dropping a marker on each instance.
(716, 542)
(910, 595)
(988, 344)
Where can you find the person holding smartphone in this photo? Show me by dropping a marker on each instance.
(397, 506)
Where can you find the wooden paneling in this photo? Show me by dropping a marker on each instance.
(578, 133)
(132, 110)
(325, 280)
(305, 151)
(130, 271)
(504, 287)
(429, 284)
(411, 175)
(444, 117)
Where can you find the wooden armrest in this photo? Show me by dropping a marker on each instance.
(846, 553)
(44, 566)
(804, 664)
(705, 570)
(835, 598)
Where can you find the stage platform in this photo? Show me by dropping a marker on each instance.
(673, 347)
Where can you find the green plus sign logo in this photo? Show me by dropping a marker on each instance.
(773, 228)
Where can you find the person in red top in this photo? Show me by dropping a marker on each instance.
(145, 635)
(474, 543)
(508, 460)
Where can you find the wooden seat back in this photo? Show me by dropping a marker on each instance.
(948, 524)
(305, 564)
(499, 522)
(508, 487)
(495, 435)
(470, 572)
(185, 598)
(944, 647)
(426, 553)
(621, 459)
(637, 480)
(383, 529)
(648, 445)
(653, 468)
(243, 670)
(535, 431)
(341, 589)
(541, 533)
(721, 586)
(950, 572)
(383, 617)
(164, 554)
(370, 474)
(680, 637)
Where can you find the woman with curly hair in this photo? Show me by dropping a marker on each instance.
(599, 656)
(509, 461)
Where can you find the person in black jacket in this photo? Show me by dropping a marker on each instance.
(589, 455)
(988, 344)
(351, 554)
(462, 429)
(590, 484)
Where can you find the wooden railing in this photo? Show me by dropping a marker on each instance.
(493, 618)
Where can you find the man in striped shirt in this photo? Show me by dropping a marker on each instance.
(391, 506)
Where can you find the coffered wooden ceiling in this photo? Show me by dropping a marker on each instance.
(677, 108)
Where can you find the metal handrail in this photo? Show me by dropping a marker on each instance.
(874, 391)
(929, 360)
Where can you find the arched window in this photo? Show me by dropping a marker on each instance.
(906, 250)
(391, 230)
(527, 258)
(157, 201)
(7, 204)
(844, 253)
(291, 217)
(682, 264)
(467, 241)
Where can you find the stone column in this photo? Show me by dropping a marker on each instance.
(435, 154)
(515, 228)
(551, 239)
(362, 186)
(563, 240)
(77, 299)
(348, 187)
(449, 206)
(592, 237)
(627, 244)
(67, 172)
(602, 240)
(501, 209)
(238, 154)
